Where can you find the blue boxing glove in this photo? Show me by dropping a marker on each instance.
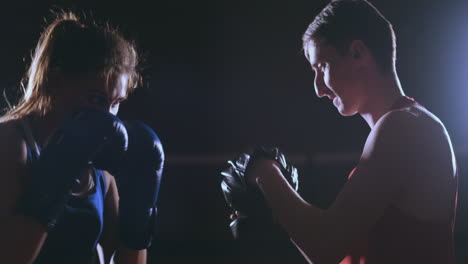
(67, 156)
(138, 178)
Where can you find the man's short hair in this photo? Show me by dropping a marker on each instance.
(343, 21)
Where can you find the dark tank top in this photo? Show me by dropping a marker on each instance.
(75, 237)
(399, 238)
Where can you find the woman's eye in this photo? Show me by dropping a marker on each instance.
(98, 100)
(117, 102)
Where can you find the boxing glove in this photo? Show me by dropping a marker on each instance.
(67, 156)
(254, 219)
(138, 179)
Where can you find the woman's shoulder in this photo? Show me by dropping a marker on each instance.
(13, 164)
(12, 142)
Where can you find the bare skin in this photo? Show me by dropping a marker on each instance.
(407, 161)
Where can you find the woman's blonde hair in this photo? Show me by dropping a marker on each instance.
(77, 49)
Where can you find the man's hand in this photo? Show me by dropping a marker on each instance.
(252, 217)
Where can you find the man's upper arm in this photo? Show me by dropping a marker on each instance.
(377, 181)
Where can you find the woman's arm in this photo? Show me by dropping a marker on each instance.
(108, 240)
(22, 237)
(130, 256)
(113, 249)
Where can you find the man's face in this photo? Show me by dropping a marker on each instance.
(334, 77)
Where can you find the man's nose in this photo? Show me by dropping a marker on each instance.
(319, 85)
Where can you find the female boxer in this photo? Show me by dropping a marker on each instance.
(63, 148)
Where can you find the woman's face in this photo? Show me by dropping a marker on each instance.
(92, 92)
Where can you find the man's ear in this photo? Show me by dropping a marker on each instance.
(358, 49)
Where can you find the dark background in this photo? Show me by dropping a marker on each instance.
(222, 76)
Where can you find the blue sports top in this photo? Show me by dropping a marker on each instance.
(74, 238)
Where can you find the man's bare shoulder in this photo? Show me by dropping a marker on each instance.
(413, 146)
(409, 119)
(406, 131)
